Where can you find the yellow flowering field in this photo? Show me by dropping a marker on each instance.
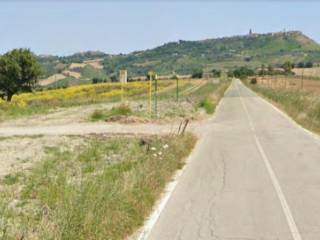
(84, 94)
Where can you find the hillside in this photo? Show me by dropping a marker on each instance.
(185, 57)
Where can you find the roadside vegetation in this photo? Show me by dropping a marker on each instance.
(192, 98)
(102, 189)
(302, 106)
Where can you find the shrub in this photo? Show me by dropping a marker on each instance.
(197, 74)
(253, 81)
(114, 113)
(207, 105)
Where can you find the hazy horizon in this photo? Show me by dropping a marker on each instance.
(65, 28)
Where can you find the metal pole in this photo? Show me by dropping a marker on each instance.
(150, 95)
(155, 96)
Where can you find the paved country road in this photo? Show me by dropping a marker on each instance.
(255, 175)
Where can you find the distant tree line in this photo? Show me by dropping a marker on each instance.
(304, 65)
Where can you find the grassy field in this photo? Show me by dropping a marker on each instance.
(102, 189)
(302, 106)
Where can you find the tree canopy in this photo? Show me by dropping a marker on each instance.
(19, 72)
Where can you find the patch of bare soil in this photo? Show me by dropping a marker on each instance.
(52, 79)
(77, 65)
(72, 74)
(128, 119)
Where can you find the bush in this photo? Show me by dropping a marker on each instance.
(309, 65)
(253, 81)
(113, 114)
(197, 74)
(207, 105)
(216, 73)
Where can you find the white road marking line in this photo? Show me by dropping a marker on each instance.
(156, 214)
(285, 207)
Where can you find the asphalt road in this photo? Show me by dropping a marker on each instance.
(256, 175)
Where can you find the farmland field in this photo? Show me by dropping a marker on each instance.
(95, 102)
(290, 82)
(310, 72)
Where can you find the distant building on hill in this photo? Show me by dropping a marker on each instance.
(252, 34)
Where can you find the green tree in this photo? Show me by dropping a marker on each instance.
(243, 72)
(216, 73)
(309, 64)
(197, 73)
(270, 69)
(288, 66)
(262, 71)
(300, 65)
(19, 72)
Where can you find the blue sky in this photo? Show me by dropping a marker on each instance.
(62, 28)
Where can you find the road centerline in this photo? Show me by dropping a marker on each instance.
(284, 204)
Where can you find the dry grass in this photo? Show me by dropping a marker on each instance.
(290, 83)
(102, 190)
(311, 72)
(302, 106)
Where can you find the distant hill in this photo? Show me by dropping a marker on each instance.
(185, 57)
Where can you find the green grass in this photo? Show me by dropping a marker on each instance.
(208, 105)
(13, 111)
(115, 112)
(208, 96)
(302, 106)
(89, 72)
(104, 189)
